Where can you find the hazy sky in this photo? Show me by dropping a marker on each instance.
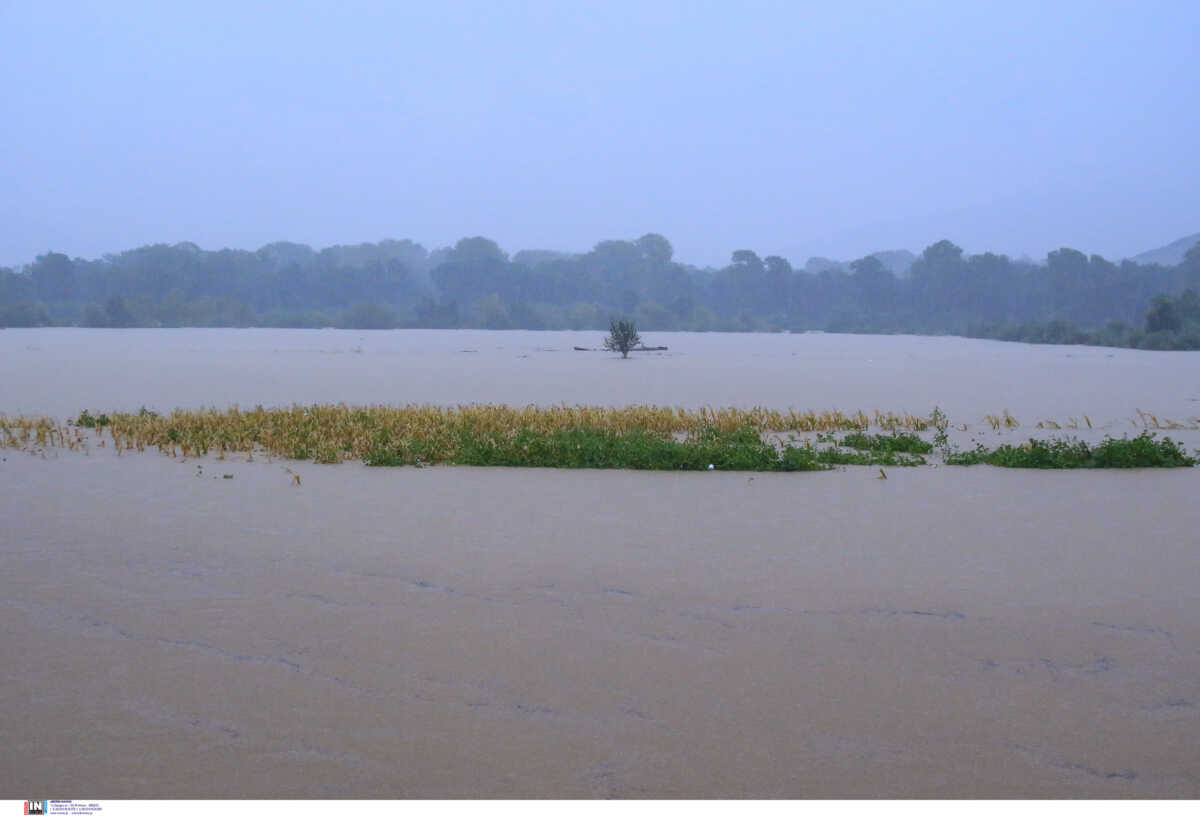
(790, 128)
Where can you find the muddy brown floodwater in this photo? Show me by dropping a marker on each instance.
(476, 632)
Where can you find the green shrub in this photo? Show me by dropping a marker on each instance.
(1141, 451)
(896, 442)
(800, 458)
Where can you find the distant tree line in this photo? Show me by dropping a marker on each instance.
(1069, 298)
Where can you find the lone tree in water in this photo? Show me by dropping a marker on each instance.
(622, 336)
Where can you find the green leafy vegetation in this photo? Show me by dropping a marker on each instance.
(895, 442)
(86, 420)
(633, 450)
(1141, 451)
(837, 456)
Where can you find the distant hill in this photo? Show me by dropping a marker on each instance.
(1168, 255)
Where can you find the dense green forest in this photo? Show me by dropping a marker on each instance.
(1070, 298)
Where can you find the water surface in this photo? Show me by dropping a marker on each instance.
(462, 632)
(62, 371)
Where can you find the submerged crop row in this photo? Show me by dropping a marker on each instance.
(332, 433)
(637, 437)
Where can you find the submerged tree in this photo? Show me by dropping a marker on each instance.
(622, 336)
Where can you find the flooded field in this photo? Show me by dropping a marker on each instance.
(476, 632)
(62, 371)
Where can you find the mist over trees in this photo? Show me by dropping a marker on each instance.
(1071, 297)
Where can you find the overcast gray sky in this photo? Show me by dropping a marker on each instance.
(789, 128)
